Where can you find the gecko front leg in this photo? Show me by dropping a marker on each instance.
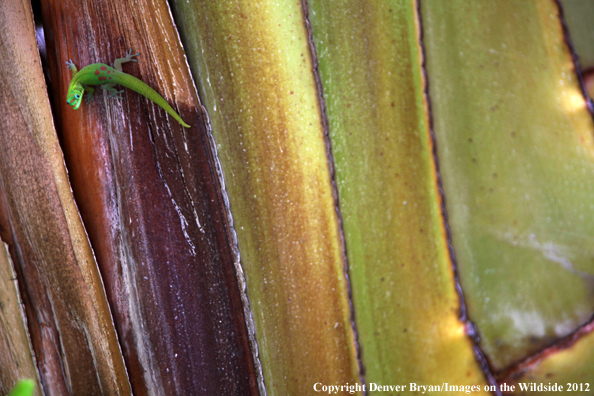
(71, 66)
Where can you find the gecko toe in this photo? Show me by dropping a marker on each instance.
(116, 94)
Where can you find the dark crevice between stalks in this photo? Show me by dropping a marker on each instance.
(40, 37)
(335, 195)
(51, 86)
(42, 48)
(575, 58)
(469, 326)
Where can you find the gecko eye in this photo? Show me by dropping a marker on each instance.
(77, 96)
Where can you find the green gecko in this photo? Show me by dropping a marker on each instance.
(109, 77)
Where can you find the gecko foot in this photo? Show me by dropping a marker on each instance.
(129, 56)
(115, 94)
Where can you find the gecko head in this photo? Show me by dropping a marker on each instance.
(75, 94)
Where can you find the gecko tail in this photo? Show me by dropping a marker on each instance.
(137, 85)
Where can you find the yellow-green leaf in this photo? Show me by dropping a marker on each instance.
(515, 150)
(404, 293)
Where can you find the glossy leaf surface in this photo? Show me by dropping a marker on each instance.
(405, 300)
(515, 151)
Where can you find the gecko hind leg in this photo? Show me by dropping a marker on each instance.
(117, 64)
(89, 94)
(113, 92)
